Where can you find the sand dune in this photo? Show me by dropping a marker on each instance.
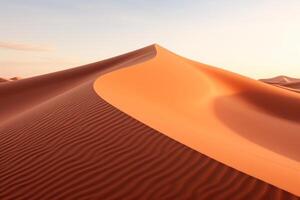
(15, 78)
(288, 83)
(280, 80)
(3, 80)
(11, 79)
(63, 141)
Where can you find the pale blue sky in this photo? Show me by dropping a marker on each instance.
(251, 37)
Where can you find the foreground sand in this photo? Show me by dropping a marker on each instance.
(60, 140)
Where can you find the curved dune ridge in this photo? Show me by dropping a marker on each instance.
(243, 123)
(60, 140)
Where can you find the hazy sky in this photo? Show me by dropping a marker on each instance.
(256, 38)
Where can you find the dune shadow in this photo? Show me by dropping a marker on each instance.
(266, 119)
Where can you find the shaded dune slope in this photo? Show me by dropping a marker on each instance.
(68, 143)
(294, 88)
(77, 146)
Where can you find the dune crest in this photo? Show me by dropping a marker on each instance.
(243, 123)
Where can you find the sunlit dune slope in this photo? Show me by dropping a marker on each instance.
(243, 123)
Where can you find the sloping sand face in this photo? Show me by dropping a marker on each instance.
(248, 125)
(297, 89)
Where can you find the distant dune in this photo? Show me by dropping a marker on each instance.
(280, 80)
(148, 125)
(11, 79)
(15, 78)
(3, 80)
(284, 82)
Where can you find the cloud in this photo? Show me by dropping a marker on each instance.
(25, 46)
